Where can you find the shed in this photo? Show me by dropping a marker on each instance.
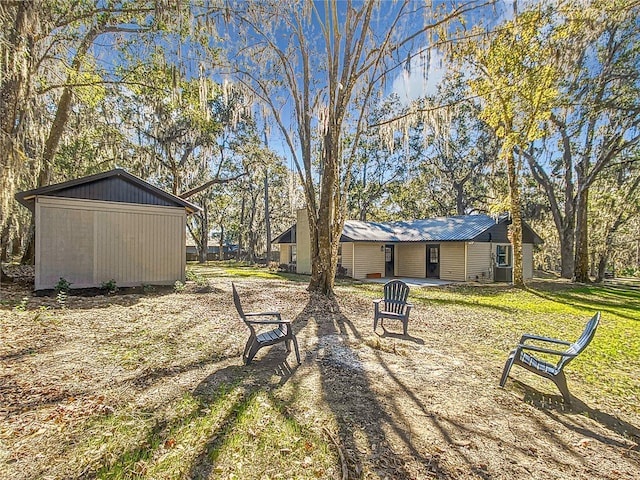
(108, 226)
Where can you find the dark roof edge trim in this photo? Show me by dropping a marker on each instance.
(24, 197)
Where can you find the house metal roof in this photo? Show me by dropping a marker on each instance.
(441, 229)
(459, 228)
(116, 185)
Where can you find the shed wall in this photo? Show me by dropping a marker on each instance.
(411, 260)
(89, 242)
(368, 258)
(452, 261)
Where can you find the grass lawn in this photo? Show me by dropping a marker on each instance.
(151, 385)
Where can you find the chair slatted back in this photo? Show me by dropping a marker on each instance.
(582, 342)
(236, 301)
(396, 293)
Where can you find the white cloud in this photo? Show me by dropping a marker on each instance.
(422, 78)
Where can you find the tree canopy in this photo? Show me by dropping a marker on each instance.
(370, 110)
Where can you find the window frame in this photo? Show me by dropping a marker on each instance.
(503, 255)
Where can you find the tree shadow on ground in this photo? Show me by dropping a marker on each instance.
(399, 336)
(571, 415)
(619, 304)
(272, 370)
(363, 421)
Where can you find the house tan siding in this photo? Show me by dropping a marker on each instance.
(303, 243)
(411, 260)
(368, 258)
(88, 242)
(285, 253)
(452, 261)
(527, 260)
(347, 257)
(479, 261)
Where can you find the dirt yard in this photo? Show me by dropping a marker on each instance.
(426, 406)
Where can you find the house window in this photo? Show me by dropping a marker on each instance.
(433, 254)
(503, 255)
(292, 254)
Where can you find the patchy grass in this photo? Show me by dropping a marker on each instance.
(606, 368)
(152, 385)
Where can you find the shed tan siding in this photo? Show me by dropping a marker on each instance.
(303, 243)
(347, 257)
(88, 242)
(479, 261)
(411, 260)
(368, 258)
(452, 261)
(527, 260)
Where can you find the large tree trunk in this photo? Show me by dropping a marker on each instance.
(516, 217)
(241, 230)
(325, 247)
(29, 254)
(221, 243)
(17, 53)
(567, 243)
(5, 236)
(267, 216)
(460, 203)
(603, 262)
(203, 251)
(582, 240)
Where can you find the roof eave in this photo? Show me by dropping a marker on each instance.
(27, 198)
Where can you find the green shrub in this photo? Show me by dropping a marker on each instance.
(111, 286)
(63, 285)
(22, 306)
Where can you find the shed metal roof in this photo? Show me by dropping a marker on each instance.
(116, 185)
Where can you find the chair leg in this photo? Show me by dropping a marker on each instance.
(561, 382)
(295, 345)
(247, 347)
(255, 346)
(375, 322)
(405, 325)
(507, 367)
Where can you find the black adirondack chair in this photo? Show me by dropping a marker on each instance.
(394, 305)
(282, 333)
(552, 371)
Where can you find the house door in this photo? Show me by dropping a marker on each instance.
(389, 261)
(433, 261)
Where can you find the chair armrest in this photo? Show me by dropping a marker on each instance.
(263, 314)
(378, 300)
(269, 322)
(527, 336)
(534, 348)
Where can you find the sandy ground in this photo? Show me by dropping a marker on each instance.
(423, 406)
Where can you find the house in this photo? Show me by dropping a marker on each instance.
(108, 226)
(459, 248)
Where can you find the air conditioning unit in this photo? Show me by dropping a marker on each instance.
(502, 274)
